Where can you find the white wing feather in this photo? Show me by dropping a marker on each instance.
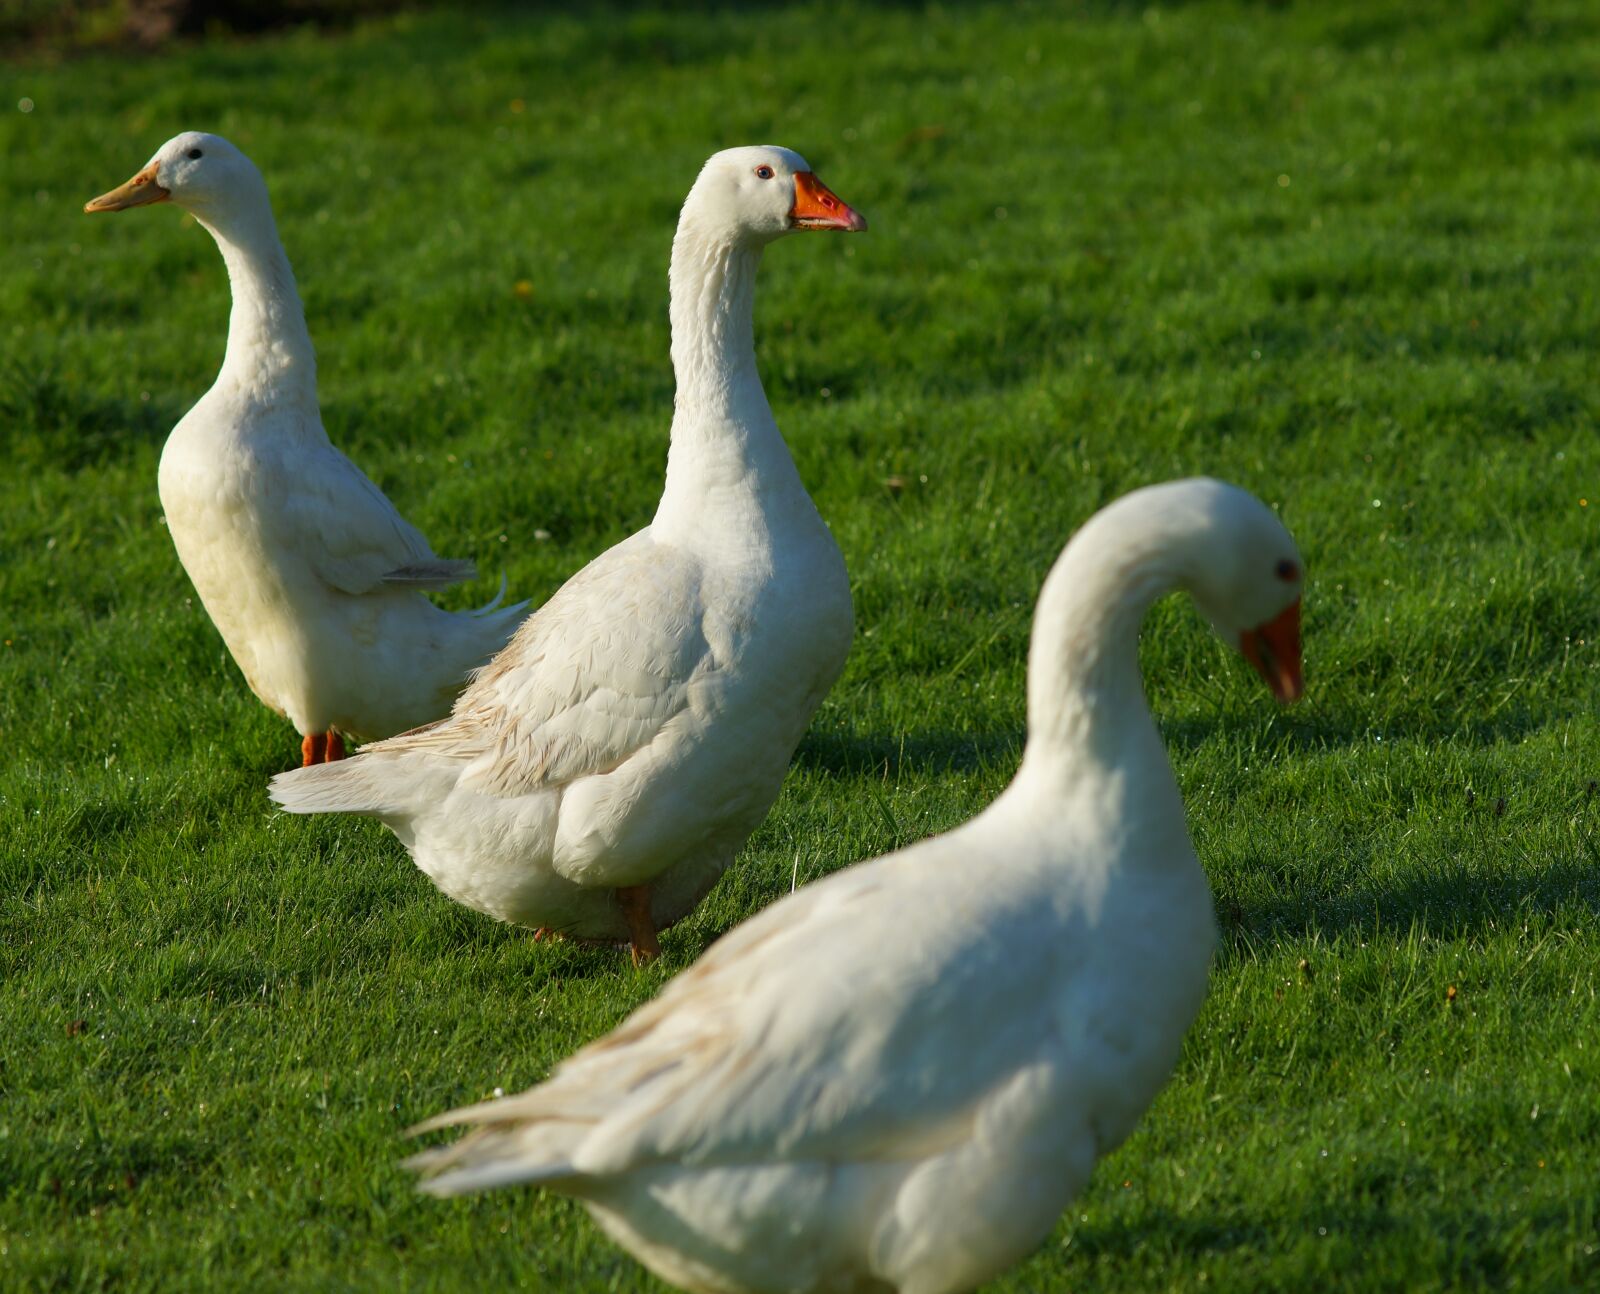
(757, 1049)
(589, 679)
(349, 533)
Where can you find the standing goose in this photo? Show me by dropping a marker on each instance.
(599, 775)
(894, 1080)
(309, 573)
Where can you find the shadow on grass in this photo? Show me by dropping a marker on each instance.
(1305, 733)
(891, 754)
(484, 950)
(1163, 1230)
(1194, 1235)
(102, 1170)
(53, 422)
(1445, 903)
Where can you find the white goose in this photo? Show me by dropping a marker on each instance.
(599, 775)
(309, 573)
(895, 1079)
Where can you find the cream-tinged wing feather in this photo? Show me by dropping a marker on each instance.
(591, 678)
(349, 533)
(828, 1027)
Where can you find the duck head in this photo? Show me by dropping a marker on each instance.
(204, 174)
(760, 193)
(1246, 577)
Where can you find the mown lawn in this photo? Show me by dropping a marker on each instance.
(1341, 254)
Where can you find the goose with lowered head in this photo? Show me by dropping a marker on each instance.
(600, 774)
(311, 576)
(895, 1079)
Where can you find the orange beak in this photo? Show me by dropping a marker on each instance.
(817, 207)
(137, 192)
(1274, 650)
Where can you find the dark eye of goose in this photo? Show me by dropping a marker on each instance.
(1288, 571)
(764, 171)
(195, 154)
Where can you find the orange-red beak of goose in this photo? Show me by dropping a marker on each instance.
(137, 192)
(816, 206)
(1274, 650)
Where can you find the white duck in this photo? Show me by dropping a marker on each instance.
(309, 573)
(896, 1078)
(599, 775)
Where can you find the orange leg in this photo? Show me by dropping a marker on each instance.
(335, 747)
(313, 749)
(635, 901)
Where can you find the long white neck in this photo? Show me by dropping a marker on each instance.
(269, 357)
(1086, 702)
(726, 452)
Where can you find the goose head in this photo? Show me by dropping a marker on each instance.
(1246, 577)
(758, 194)
(204, 174)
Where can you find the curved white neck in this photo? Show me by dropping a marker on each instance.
(713, 283)
(727, 456)
(269, 350)
(1086, 702)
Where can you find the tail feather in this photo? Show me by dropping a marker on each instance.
(503, 1154)
(346, 786)
(490, 627)
(440, 573)
(492, 606)
(446, 1171)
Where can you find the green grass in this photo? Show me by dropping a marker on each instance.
(1340, 254)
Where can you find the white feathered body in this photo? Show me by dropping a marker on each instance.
(638, 727)
(896, 1078)
(310, 574)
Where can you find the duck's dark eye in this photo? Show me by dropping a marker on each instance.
(1288, 572)
(764, 172)
(195, 154)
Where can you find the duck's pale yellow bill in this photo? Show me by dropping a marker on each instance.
(137, 192)
(817, 207)
(1274, 650)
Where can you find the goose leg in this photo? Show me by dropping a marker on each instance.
(313, 749)
(635, 901)
(334, 749)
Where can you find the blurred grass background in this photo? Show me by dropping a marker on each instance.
(1339, 254)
